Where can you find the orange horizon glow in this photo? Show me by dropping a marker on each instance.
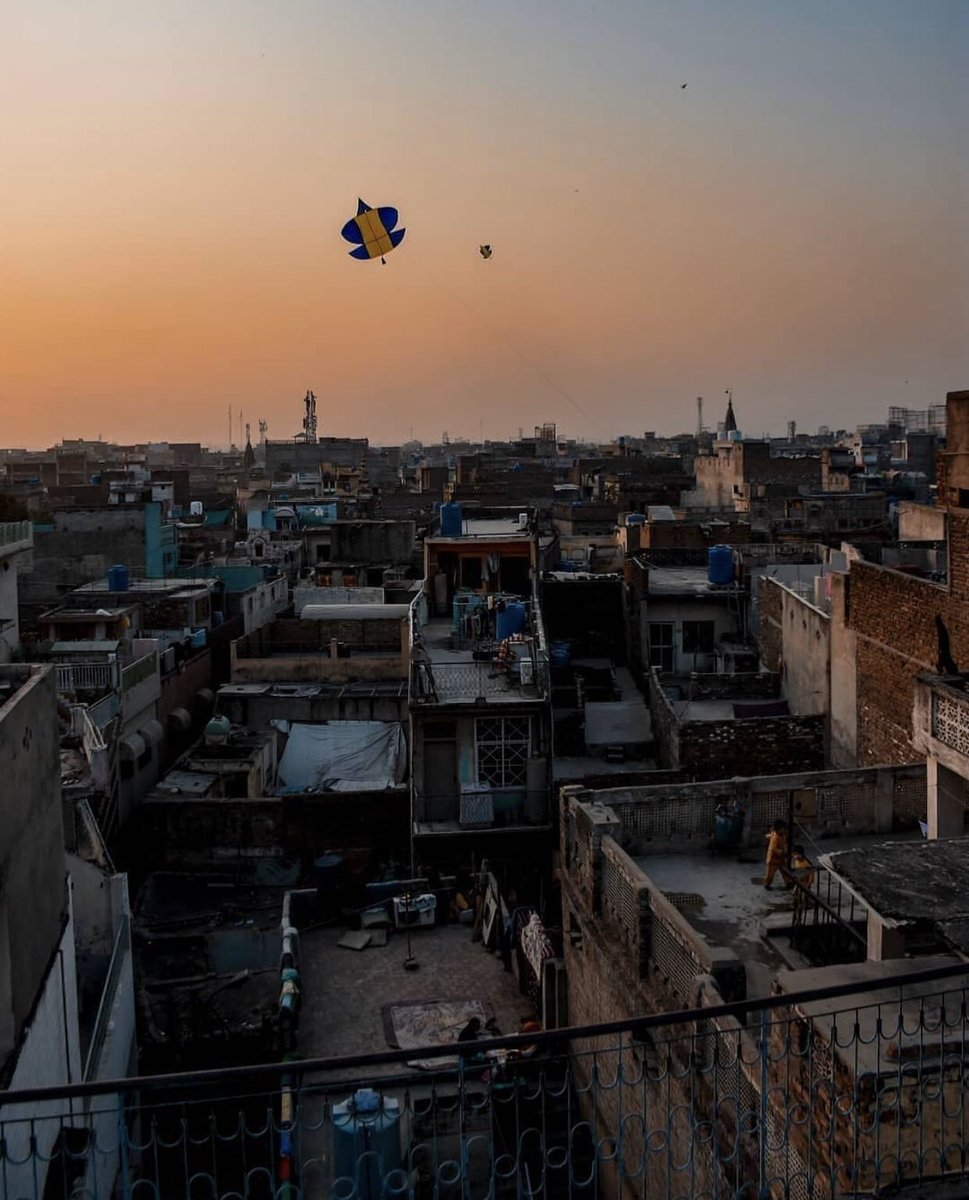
(175, 185)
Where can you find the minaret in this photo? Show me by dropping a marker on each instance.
(729, 421)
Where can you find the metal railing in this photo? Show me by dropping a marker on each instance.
(491, 808)
(446, 682)
(119, 953)
(83, 727)
(96, 676)
(16, 531)
(138, 671)
(829, 923)
(836, 1091)
(103, 711)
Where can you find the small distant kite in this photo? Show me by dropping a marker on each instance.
(485, 251)
(683, 85)
(372, 232)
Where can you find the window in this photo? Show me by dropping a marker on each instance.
(697, 637)
(661, 645)
(502, 746)
(322, 551)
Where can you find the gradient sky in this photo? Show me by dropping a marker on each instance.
(174, 176)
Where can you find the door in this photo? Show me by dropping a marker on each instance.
(441, 780)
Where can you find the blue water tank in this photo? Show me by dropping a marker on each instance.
(452, 520)
(367, 1146)
(511, 620)
(560, 654)
(720, 564)
(118, 578)
(635, 518)
(328, 871)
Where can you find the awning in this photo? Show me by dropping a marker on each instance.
(346, 756)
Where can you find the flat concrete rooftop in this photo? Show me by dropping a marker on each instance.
(739, 914)
(345, 991)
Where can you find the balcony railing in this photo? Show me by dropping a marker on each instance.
(950, 719)
(95, 676)
(12, 532)
(120, 954)
(744, 1100)
(458, 682)
(138, 671)
(829, 923)
(484, 808)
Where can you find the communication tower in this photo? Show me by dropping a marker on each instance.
(309, 419)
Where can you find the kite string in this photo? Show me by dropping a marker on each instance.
(502, 335)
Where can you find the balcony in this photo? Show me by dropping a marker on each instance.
(840, 1090)
(468, 682)
(508, 808)
(448, 669)
(99, 675)
(950, 717)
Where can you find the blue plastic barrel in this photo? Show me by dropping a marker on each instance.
(720, 564)
(560, 654)
(328, 871)
(511, 620)
(452, 520)
(118, 578)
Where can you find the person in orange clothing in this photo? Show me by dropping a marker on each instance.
(802, 869)
(776, 851)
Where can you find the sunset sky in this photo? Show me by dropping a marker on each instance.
(793, 225)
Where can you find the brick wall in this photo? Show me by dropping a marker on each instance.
(762, 745)
(176, 831)
(628, 952)
(893, 616)
(770, 623)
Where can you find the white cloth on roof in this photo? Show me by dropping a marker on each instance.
(345, 756)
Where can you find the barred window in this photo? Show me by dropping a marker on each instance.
(502, 745)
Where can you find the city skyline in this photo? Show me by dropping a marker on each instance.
(788, 224)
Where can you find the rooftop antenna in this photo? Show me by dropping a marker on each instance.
(699, 417)
(309, 420)
(230, 426)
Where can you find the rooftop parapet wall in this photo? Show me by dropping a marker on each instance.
(658, 945)
(680, 817)
(715, 748)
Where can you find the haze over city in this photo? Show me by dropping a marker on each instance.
(790, 224)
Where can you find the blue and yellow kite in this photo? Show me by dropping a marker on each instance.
(372, 231)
